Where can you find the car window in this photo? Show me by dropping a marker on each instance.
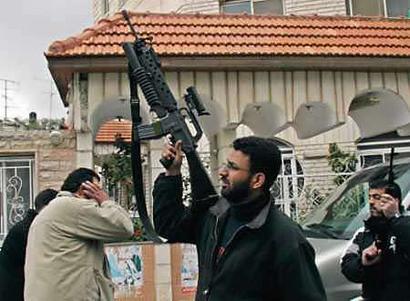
(341, 214)
(344, 211)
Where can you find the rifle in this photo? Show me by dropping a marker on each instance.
(144, 70)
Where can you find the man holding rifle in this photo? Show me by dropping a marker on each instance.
(378, 256)
(247, 249)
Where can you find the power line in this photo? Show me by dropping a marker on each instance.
(51, 92)
(51, 95)
(7, 84)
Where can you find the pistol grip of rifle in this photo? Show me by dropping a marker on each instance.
(165, 162)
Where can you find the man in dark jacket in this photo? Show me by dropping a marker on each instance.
(247, 249)
(13, 251)
(378, 256)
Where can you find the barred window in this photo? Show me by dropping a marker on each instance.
(253, 6)
(386, 8)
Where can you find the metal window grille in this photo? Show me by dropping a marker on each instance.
(16, 190)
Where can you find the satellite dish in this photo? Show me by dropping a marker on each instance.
(379, 111)
(314, 118)
(265, 119)
(213, 123)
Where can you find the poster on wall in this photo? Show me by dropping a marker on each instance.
(126, 267)
(189, 269)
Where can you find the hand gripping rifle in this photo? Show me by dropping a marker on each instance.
(144, 71)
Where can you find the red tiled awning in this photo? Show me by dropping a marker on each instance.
(111, 129)
(227, 35)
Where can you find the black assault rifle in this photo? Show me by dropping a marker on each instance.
(144, 70)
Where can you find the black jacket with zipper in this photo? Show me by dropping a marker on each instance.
(267, 258)
(388, 279)
(12, 259)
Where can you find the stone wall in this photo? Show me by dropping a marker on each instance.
(54, 158)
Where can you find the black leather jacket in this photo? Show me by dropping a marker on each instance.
(390, 278)
(12, 257)
(267, 258)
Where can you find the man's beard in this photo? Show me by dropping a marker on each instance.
(238, 192)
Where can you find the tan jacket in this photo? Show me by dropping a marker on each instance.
(65, 258)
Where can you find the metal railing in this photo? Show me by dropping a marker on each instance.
(297, 195)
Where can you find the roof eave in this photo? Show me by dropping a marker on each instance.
(63, 68)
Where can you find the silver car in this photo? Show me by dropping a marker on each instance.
(331, 225)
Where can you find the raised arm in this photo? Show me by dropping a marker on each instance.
(172, 219)
(351, 262)
(102, 219)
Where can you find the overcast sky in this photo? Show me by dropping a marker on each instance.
(27, 28)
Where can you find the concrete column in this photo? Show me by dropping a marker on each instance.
(84, 147)
(84, 150)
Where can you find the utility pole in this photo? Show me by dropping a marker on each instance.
(51, 94)
(7, 84)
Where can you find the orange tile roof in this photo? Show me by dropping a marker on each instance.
(220, 35)
(109, 130)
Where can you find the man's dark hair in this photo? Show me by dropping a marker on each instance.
(264, 156)
(391, 188)
(77, 177)
(43, 198)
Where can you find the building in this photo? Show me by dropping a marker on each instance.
(293, 77)
(385, 8)
(31, 159)
(305, 80)
(367, 150)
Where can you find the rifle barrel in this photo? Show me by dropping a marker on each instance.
(127, 19)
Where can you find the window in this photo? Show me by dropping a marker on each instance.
(367, 7)
(367, 160)
(343, 213)
(370, 157)
(105, 6)
(386, 8)
(377, 149)
(398, 8)
(264, 7)
(253, 6)
(16, 189)
(237, 7)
